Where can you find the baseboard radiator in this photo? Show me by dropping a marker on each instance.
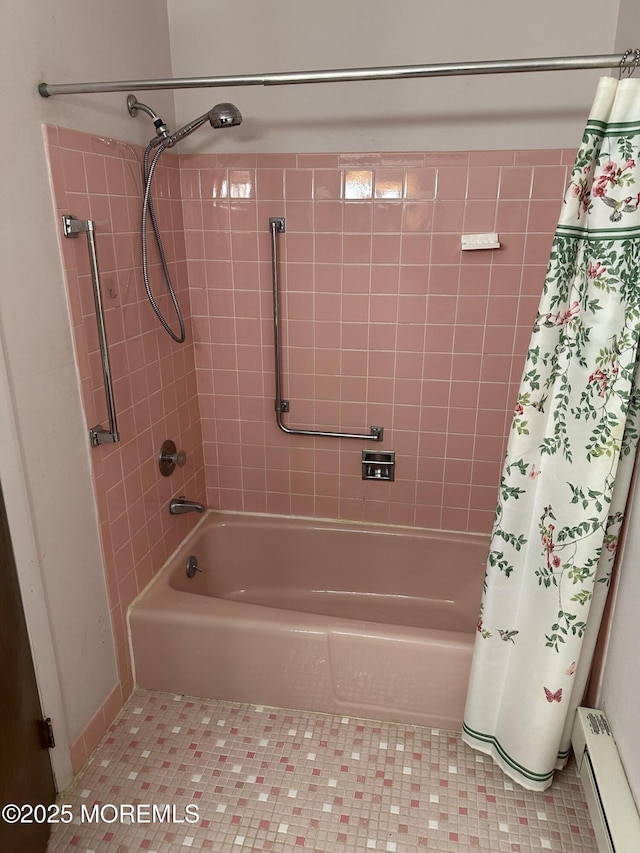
(611, 805)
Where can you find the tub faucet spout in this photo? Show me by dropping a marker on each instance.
(179, 506)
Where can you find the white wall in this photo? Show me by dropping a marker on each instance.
(628, 28)
(620, 689)
(538, 110)
(44, 461)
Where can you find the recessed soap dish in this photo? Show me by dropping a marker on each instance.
(378, 465)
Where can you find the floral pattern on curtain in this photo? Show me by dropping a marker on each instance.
(569, 461)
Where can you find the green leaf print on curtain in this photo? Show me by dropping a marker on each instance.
(569, 461)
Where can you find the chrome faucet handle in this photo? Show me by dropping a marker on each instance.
(170, 456)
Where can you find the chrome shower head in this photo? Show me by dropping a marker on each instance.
(222, 115)
(225, 115)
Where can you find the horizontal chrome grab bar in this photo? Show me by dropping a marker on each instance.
(72, 226)
(276, 226)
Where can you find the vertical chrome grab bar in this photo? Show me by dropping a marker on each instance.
(72, 226)
(276, 226)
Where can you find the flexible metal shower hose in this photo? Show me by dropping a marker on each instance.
(147, 205)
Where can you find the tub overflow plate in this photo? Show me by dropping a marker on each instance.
(192, 567)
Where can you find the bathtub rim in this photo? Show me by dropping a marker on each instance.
(323, 523)
(293, 617)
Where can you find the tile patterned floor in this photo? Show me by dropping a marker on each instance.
(240, 778)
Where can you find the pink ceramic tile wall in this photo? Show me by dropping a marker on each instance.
(386, 322)
(154, 379)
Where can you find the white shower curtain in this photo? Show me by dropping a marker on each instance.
(569, 461)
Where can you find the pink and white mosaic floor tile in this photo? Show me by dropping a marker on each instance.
(179, 774)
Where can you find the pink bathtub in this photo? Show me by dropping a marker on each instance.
(369, 621)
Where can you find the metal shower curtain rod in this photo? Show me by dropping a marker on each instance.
(624, 61)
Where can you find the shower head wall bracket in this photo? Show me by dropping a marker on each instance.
(133, 105)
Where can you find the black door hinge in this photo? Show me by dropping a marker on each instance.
(49, 740)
